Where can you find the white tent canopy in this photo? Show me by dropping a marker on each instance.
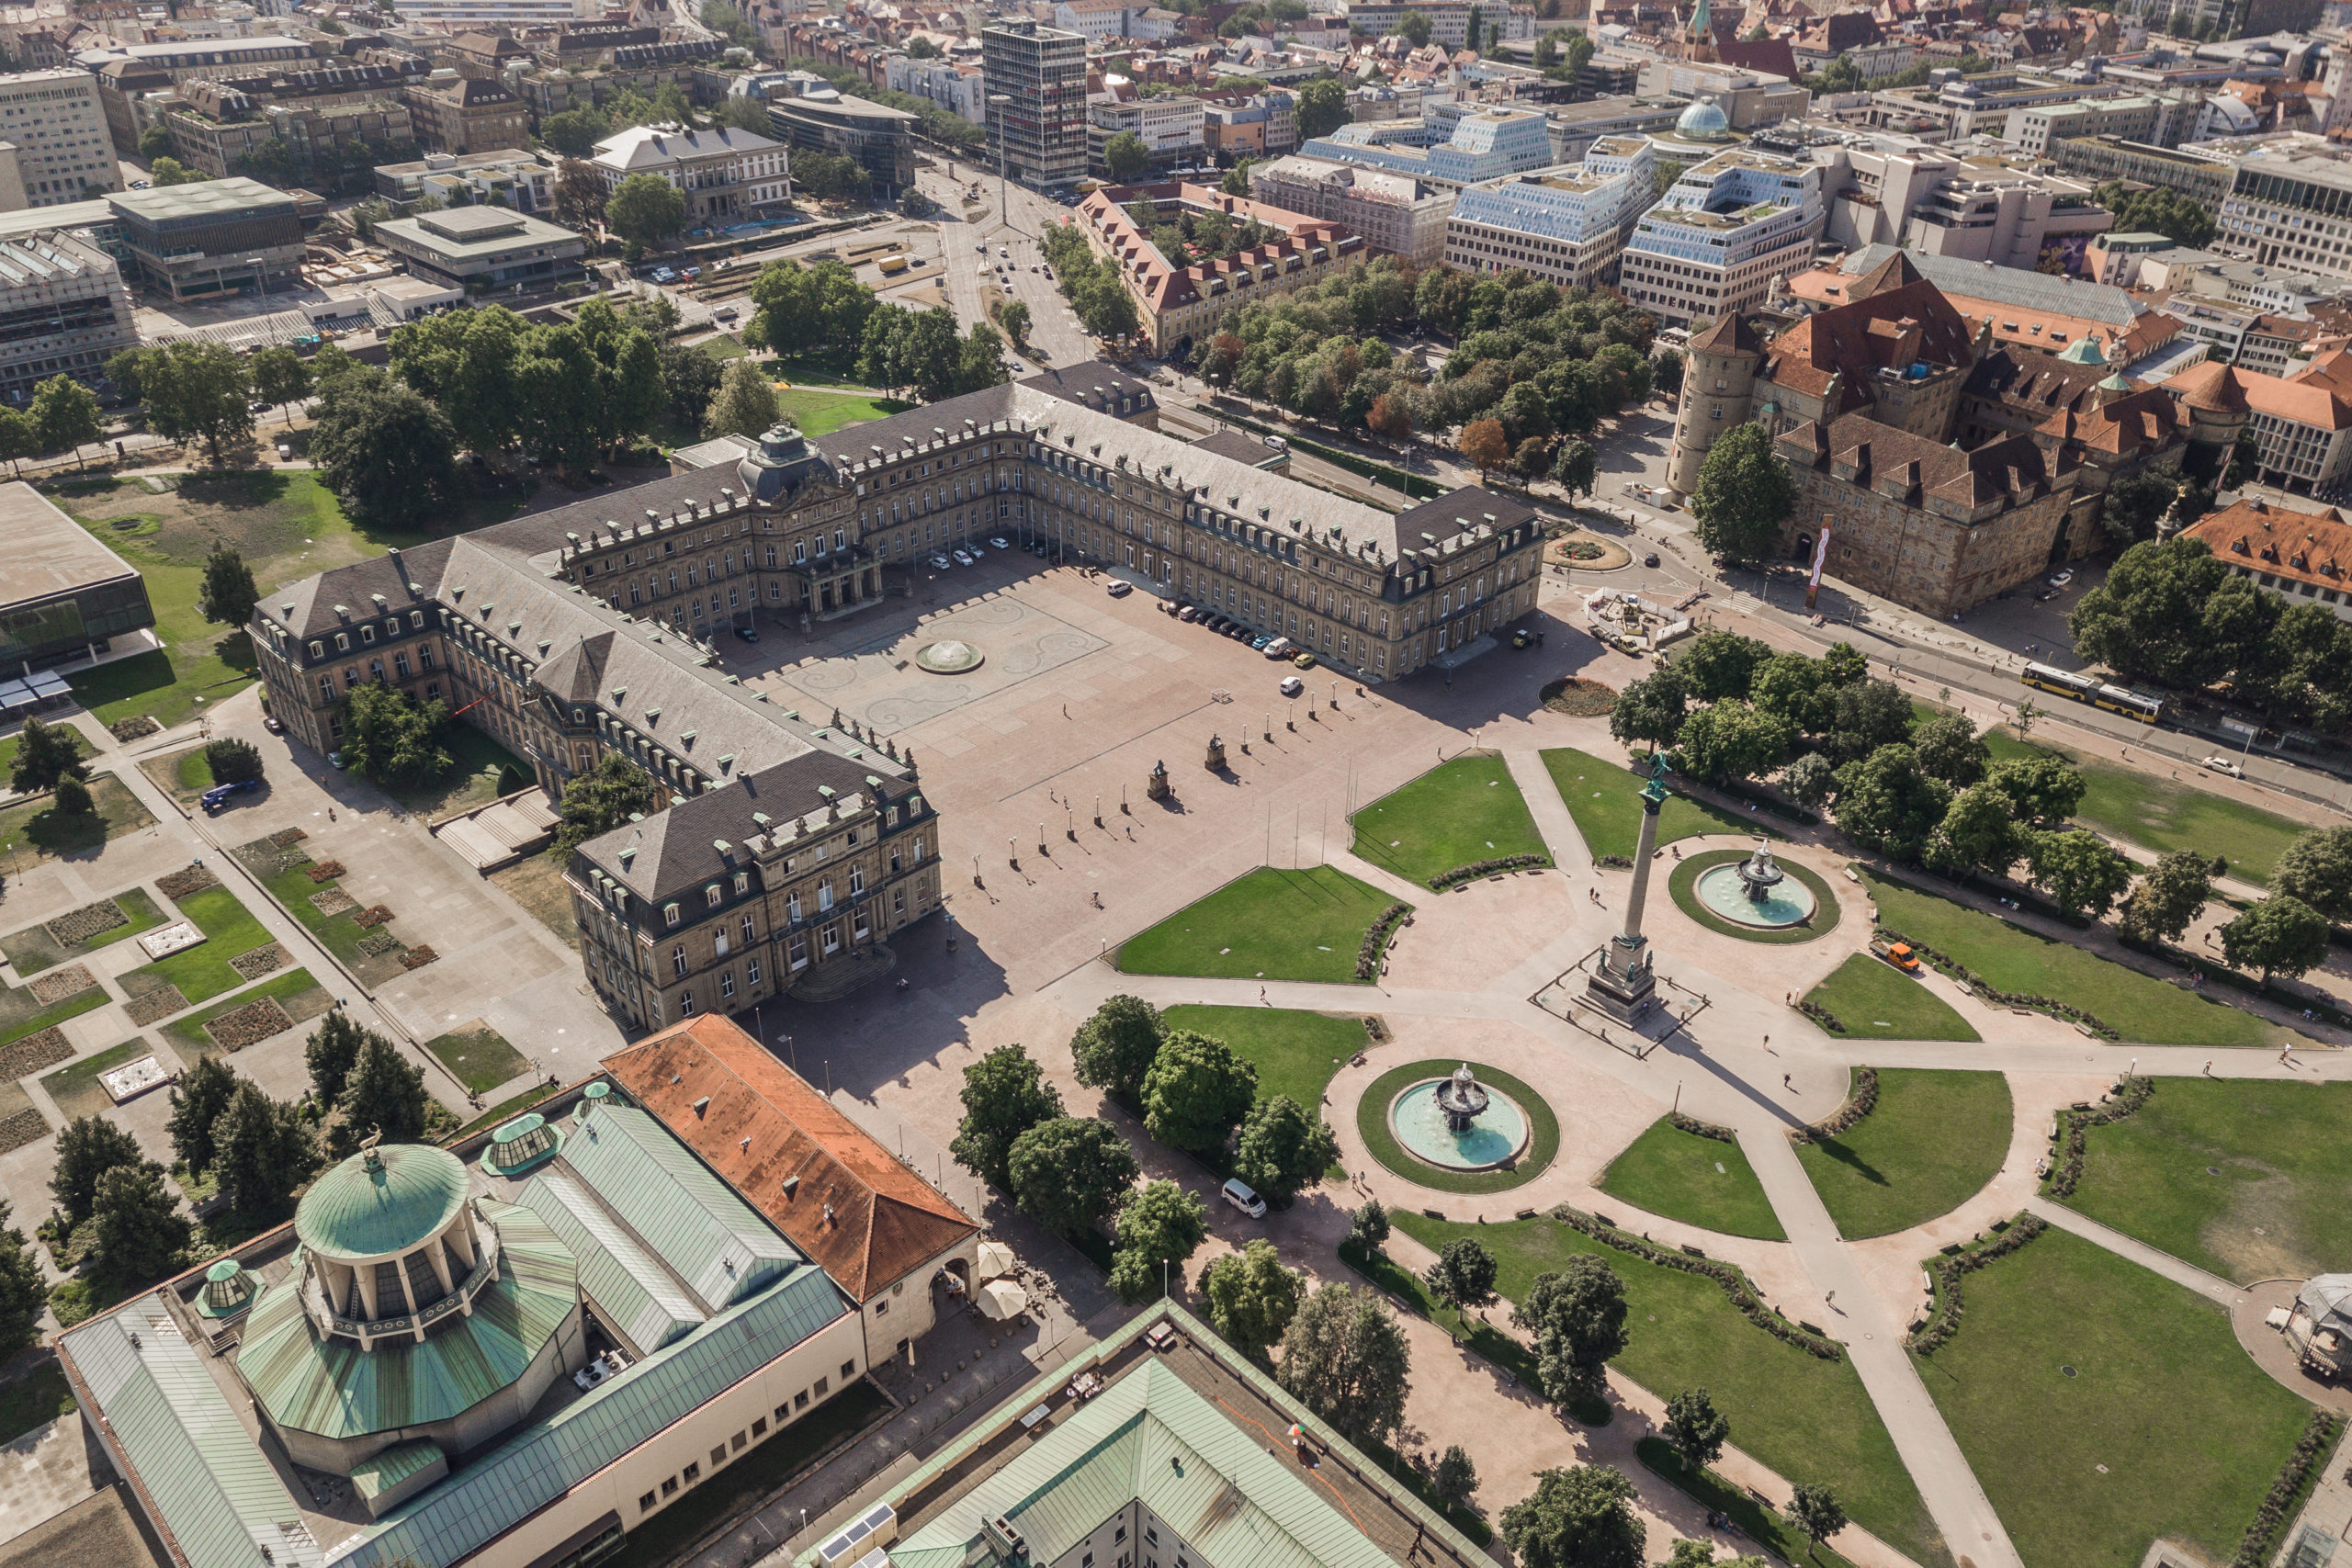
(1000, 1298)
(996, 1260)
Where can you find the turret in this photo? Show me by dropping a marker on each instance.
(1718, 394)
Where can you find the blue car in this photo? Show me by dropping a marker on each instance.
(218, 796)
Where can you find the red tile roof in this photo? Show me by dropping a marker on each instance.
(858, 1214)
(2301, 546)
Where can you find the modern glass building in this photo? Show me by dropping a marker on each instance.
(63, 595)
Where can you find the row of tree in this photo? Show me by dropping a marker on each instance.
(1091, 284)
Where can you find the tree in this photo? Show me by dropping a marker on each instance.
(1160, 1227)
(1413, 28)
(467, 363)
(88, 1147)
(1463, 1277)
(1577, 1317)
(1576, 468)
(1652, 708)
(227, 594)
(389, 455)
(262, 1151)
(1886, 803)
(1114, 1049)
(332, 1049)
(197, 1099)
(231, 761)
(383, 1095)
(1484, 443)
(1005, 1094)
(1125, 156)
(165, 173)
(2080, 871)
(1696, 1428)
(1012, 315)
(1729, 740)
(1979, 833)
(1283, 1148)
(141, 1232)
(596, 802)
(1345, 1358)
(1865, 716)
(745, 404)
(1815, 1512)
(575, 132)
(689, 381)
(19, 437)
(45, 753)
(24, 1296)
(1666, 372)
(2131, 506)
(1236, 178)
(2169, 898)
(1071, 1173)
(1390, 416)
(645, 210)
(1252, 1298)
(1323, 106)
(197, 389)
(980, 363)
(1721, 664)
(1455, 1479)
(280, 376)
(2041, 789)
(1744, 495)
(2158, 211)
(65, 413)
(1197, 1091)
(2171, 613)
(72, 798)
(1368, 1226)
(1580, 1518)
(155, 143)
(579, 191)
(2317, 870)
(1532, 458)
(389, 737)
(1948, 748)
(2281, 935)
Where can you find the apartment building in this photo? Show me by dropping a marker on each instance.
(724, 172)
(1041, 131)
(1397, 214)
(1259, 125)
(64, 310)
(455, 14)
(1180, 304)
(1170, 128)
(126, 71)
(961, 90)
(455, 114)
(1713, 244)
(2299, 555)
(1448, 20)
(56, 128)
(215, 123)
(1568, 226)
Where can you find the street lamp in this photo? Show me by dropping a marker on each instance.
(999, 102)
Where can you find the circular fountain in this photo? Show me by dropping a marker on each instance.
(1756, 892)
(948, 658)
(1458, 1123)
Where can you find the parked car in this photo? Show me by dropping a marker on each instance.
(1118, 588)
(1305, 661)
(284, 453)
(1187, 613)
(259, 405)
(1001, 543)
(218, 796)
(961, 558)
(1281, 648)
(1292, 686)
(1259, 641)
(2060, 579)
(726, 313)
(334, 759)
(749, 634)
(1522, 638)
(942, 562)
(2223, 765)
(1239, 1193)
(1650, 560)
(272, 723)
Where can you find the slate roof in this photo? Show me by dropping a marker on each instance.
(851, 1206)
(2012, 465)
(645, 147)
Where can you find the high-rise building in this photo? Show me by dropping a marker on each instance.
(55, 132)
(1565, 225)
(1042, 131)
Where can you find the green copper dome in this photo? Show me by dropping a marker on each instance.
(2084, 350)
(381, 1202)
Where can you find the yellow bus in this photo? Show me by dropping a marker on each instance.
(891, 265)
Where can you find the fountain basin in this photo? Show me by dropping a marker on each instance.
(1725, 892)
(947, 658)
(1499, 1135)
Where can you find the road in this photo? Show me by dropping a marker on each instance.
(1011, 220)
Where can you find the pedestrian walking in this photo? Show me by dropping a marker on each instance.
(2207, 1069)
(1767, 1042)
(1261, 993)
(2284, 1050)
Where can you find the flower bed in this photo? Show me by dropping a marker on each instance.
(373, 916)
(78, 926)
(2129, 1096)
(1581, 549)
(42, 1048)
(286, 838)
(137, 727)
(1579, 697)
(21, 1128)
(249, 1025)
(1943, 1320)
(1858, 1104)
(57, 985)
(1476, 869)
(1374, 940)
(332, 901)
(161, 1003)
(1822, 1016)
(377, 943)
(1699, 1129)
(325, 871)
(1736, 1284)
(418, 958)
(1986, 992)
(2286, 1493)
(260, 961)
(180, 883)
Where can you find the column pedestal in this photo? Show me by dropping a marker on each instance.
(1622, 986)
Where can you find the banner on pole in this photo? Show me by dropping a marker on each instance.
(1820, 559)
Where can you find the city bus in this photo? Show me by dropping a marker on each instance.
(2098, 694)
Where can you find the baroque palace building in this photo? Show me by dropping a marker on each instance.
(790, 842)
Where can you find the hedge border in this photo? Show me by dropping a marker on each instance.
(2282, 1502)
(1476, 869)
(1375, 941)
(1861, 1101)
(1698, 1129)
(1822, 1016)
(1943, 1320)
(2130, 1093)
(1735, 1283)
(1983, 990)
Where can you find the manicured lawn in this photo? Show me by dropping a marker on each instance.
(2139, 1006)
(1372, 1126)
(723, 348)
(230, 929)
(303, 999)
(2167, 1428)
(1295, 1053)
(1717, 1495)
(33, 950)
(2205, 1162)
(1934, 1140)
(1804, 1417)
(1876, 1001)
(1682, 884)
(2166, 814)
(1605, 799)
(478, 1056)
(831, 366)
(1264, 925)
(32, 831)
(821, 413)
(1700, 1181)
(76, 1089)
(20, 1015)
(1456, 813)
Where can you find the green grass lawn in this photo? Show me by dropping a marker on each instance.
(2139, 1006)
(1371, 1125)
(1763, 1525)
(723, 348)
(1934, 1140)
(481, 771)
(1457, 813)
(75, 1087)
(33, 950)
(1801, 1417)
(1295, 1053)
(20, 1015)
(9, 747)
(1264, 925)
(478, 1056)
(2165, 814)
(1700, 1181)
(1683, 886)
(1876, 1001)
(2168, 1428)
(230, 929)
(821, 413)
(2205, 1162)
(832, 365)
(1605, 799)
(32, 831)
(303, 999)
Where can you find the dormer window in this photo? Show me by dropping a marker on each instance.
(711, 895)
(670, 914)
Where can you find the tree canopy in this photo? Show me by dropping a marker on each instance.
(1744, 495)
(1005, 1094)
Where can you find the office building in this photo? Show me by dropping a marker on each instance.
(2300, 425)
(1568, 226)
(2290, 204)
(1397, 214)
(55, 129)
(124, 72)
(961, 90)
(1448, 20)
(1485, 143)
(1573, 128)
(1261, 125)
(1723, 231)
(210, 239)
(2204, 174)
(455, 113)
(1042, 130)
(508, 177)
(1169, 125)
(724, 172)
(879, 138)
(1881, 189)
(478, 248)
(216, 123)
(1180, 304)
(64, 309)
(63, 595)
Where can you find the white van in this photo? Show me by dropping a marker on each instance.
(1238, 1193)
